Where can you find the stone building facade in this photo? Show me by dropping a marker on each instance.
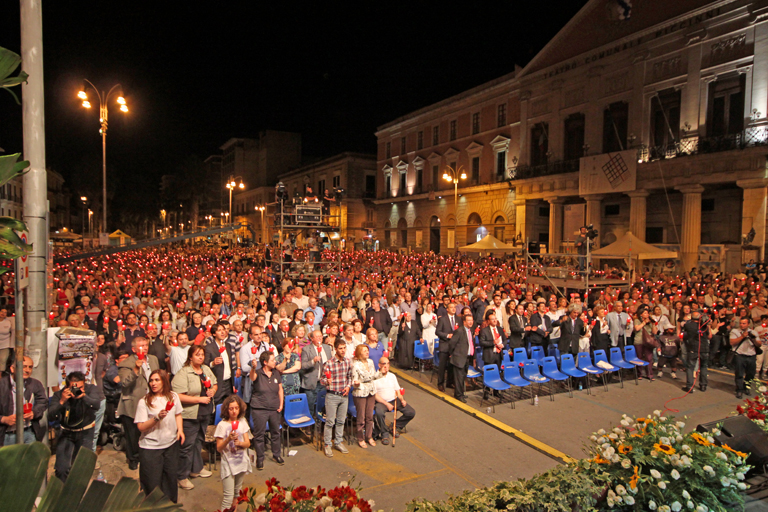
(649, 118)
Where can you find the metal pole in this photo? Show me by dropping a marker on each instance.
(35, 187)
(104, 175)
(19, 353)
(588, 267)
(456, 213)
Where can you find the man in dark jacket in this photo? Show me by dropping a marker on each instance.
(220, 357)
(34, 394)
(479, 305)
(571, 329)
(696, 339)
(461, 351)
(541, 327)
(75, 406)
(446, 325)
(493, 340)
(379, 319)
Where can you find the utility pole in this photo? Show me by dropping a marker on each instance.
(35, 186)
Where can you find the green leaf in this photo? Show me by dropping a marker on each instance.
(23, 467)
(77, 481)
(9, 61)
(51, 496)
(10, 167)
(96, 497)
(15, 224)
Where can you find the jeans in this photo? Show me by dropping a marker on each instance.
(693, 358)
(29, 437)
(191, 453)
(382, 336)
(69, 444)
(744, 369)
(99, 421)
(582, 263)
(335, 414)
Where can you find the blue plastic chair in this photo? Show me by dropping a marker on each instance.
(554, 351)
(531, 373)
(630, 356)
(505, 359)
(585, 365)
(421, 353)
(549, 370)
(296, 408)
(473, 372)
(568, 367)
(513, 378)
(537, 354)
(600, 357)
(519, 355)
(217, 417)
(492, 380)
(617, 360)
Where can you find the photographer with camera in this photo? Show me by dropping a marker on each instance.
(75, 407)
(586, 235)
(745, 343)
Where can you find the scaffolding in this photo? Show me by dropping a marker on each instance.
(306, 239)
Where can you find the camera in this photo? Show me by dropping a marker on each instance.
(591, 232)
(76, 391)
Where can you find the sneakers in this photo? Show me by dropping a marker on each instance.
(659, 374)
(328, 451)
(186, 484)
(674, 375)
(204, 473)
(341, 448)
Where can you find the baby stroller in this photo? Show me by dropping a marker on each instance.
(111, 428)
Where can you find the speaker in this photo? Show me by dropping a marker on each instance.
(741, 434)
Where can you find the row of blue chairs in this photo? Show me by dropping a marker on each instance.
(547, 371)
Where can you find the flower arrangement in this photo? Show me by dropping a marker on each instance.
(652, 465)
(756, 408)
(342, 498)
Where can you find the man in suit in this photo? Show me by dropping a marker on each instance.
(493, 340)
(407, 334)
(278, 335)
(446, 325)
(541, 327)
(571, 329)
(220, 357)
(619, 325)
(134, 374)
(461, 351)
(498, 307)
(313, 358)
(518, 327)
(34, 394)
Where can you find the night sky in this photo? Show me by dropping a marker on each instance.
(196, 76)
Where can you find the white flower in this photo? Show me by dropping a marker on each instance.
(625, 423)
(716, 432)
(593, 438)
(626, 463)
(605, 446)
(621, 490)
(664, 508)
(372, 503)
(686, 448)
(708, 469)
(288, 498)
(689, 504)
(679, 438)
(680, 425)
(324, 502)
(725, 482)
(762, 389)
(355, 509)
(601, 432)
(664, 440)
(676, 506)
(702, 508)
(740, 476)
(722, 456)
(663, 418)
(330, 509)
(613, 436)
(609, 452)
(615, 458)
(629, 500)
(710, 439)
(686, 495)
(261, 499)
(654, 453)
(652, 505)
(675, 474)
(655, 474)
(657, 412)
(741, 485)
(662, 485)
(685, 460)
(618, 430)
(343, 483)
(610, 502)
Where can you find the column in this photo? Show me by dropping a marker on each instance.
(691, 235)
(524, 218)
(637, 212)
(555, 223)
(753, 210)
(594, 215)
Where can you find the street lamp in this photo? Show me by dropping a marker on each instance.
(90, 230)
(84, 199)
(261, 209)
(117, 90)
(453, 175)
(231, 186)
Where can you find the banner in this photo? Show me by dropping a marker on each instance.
(608, 173)
(76, 349)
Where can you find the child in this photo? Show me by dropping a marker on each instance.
(233, 438)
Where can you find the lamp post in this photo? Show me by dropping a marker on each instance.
(453, 175)
(116, 89)
(261, 210)
(231, 186)
(90, 229)
(84, 199)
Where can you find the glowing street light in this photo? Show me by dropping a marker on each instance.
(231, 186)
(453, 175)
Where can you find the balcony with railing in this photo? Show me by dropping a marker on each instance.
(753, 136)
(519, 172)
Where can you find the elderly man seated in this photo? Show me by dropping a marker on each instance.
(387, 391)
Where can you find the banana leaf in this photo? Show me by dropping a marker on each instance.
(22, 469)
(9, 61)
(10, 167)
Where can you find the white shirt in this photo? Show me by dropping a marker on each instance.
(6, 331)
(387, 386)
(163, 433)
(303, 302)
(178, 357)
(234, 460)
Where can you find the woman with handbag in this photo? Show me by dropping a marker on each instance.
(645, 340)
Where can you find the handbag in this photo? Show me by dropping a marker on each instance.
(650, 340)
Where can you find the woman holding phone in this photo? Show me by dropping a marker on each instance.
(158, 417)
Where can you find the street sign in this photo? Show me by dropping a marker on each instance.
(22, 275)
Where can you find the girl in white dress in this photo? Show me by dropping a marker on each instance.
(428, 325)
(233, 438)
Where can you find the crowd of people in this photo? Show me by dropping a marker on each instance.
(182, 330)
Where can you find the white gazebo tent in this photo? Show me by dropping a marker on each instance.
(631, 248)
(489, 244)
